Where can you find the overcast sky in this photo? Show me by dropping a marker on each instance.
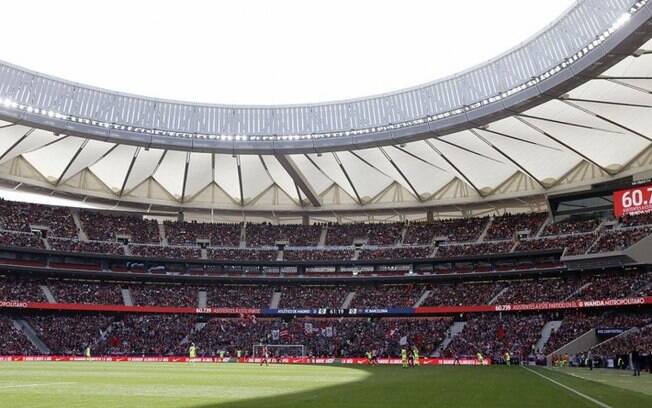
(263, 52)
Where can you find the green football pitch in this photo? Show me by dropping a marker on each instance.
(97, 384)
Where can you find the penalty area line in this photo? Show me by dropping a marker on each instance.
(571, 389)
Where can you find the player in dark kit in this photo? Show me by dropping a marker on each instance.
(265, 359)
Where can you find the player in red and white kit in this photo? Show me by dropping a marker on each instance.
(265, 359)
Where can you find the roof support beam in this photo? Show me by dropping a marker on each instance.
(299, 179)
(450, 163)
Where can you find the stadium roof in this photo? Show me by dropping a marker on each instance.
(565, 109)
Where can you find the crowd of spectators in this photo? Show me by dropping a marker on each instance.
(379, 296)
(639, 339)
(539, 290)
(616, 286)
(322, 337)
(19, 216)
(12, 341)
(507, 225)
(636, 220)
(454, 230)
(20, 240)
(493, 335)
(318, 255)
(148, 334)
(239, 296)
(385, 234)
(575, 324)
(260, 235)
(313, 296)
(619, 239)
(95, 247)
(168, 252)
(576, 244)
(484, 248)
(189, 233)
(100, 226)
(70, 333)
(164, 295)
(85, 292)
(21, 290)
(404, 252)
(571, 226)
(232, 254)
(458, 294)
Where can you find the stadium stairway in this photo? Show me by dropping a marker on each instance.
(347, 300)
(547, 330)
(322, 236)
(48, 294)
(485, 230)
(455, 329)
(161, 231)
(204, 253)
(202, 299)
(498, 295)
(81, 234)
(46, 244)
(31, 335)
(243, 236)
(276, 299)
(126, 297)
(584, 342)
(425, 295)
(579, 290)
(544, 224)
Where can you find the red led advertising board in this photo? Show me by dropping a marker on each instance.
(634, 200)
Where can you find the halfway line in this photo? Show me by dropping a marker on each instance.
(573, 390)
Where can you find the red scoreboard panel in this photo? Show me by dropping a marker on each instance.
(634, 200)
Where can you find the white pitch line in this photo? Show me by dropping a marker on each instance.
(566, 387)
(35, 385)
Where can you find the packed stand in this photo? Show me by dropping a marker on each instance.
(189, 233)
(459, 294)
(164, 295)
(632, 284)
(95, 247)
(453, 230)
(505, 226)
(313, 296)
(575, 324)
(260, 235)
(573, 244)
(636, 220)
(148, 334)
(484, 248)
(318, 255)
(12, 341)
(70, 334)
(104, 227)
(224, 254)
(18, 216)
(640, 339)
(352, 337)
(239, 296)
(493, 335)
(619, 239)
(571, 226)
(386, 296)
(168, 252)
(396, 253)
(20, 240)
(85, 292)
(21, 290)
(539, 290)
(374, 234)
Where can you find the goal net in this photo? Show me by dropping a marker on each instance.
(279, 350)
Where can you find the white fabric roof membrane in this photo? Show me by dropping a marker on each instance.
(604, 125)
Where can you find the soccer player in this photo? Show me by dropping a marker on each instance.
(265, 358)
(369, 358)
(404, 357)
(415, 355)
(221, 356)
(410, 358)
(192, 353)
(87, 353)
(479, 358)
(508, 359)
(238, 354)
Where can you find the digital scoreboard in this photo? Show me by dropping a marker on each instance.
(633, 200)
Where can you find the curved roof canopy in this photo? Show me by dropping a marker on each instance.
(564, 109)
